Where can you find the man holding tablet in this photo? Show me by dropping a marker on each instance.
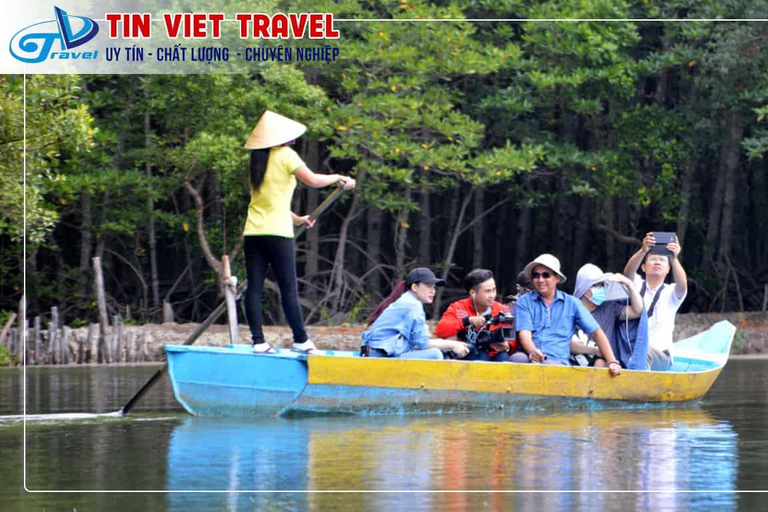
(661, 300)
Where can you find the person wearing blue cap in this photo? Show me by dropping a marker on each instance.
(398, 327)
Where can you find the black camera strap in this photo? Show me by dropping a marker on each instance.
(655, 297)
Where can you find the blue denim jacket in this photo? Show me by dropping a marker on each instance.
(400, 328)
(552, 327)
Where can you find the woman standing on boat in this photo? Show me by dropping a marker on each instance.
(273, 170)
(398, 327)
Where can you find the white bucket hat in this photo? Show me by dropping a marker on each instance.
(273, 130)
(587, 277)
(548, 261)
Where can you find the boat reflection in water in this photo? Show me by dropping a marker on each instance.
(652, 450)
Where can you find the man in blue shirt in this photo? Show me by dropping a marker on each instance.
(545, 319)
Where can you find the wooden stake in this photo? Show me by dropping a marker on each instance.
(167, 312)
(64, 343)
(38, 342)
(21, 340)
(98, 283)
(53, 342)
(93, 343)
(114, 340)
(765, 297)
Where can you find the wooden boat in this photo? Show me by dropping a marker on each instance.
(232, 381)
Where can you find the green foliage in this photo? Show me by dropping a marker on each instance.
(6, 358)
(57, 127)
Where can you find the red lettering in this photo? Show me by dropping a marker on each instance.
(216, 25)
(113, 18)
(298, 24)
(261, 26)
(330, 32)
(199, 26)
(280, 26)
(172, 24)
(140, 25)
(244, 20)
(315, 26)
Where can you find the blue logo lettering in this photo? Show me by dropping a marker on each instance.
(34, 43)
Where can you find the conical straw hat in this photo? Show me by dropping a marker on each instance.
(274, 130)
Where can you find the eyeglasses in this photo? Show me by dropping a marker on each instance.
(543, 275)
(598, 285)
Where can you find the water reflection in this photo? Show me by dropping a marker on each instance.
(659, 450)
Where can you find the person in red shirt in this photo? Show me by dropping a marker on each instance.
(466, 319)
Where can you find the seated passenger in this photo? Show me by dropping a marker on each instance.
(398, 327)
(590, 289)
(523, 285)
(470, 320)
(546, 318)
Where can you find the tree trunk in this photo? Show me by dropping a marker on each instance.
(425, 228)
(452, 241)
(735, 133)
(338, 283)
(477, 230)
(86, 242)
(154, 279)
(214, 263)
(98, 283)
(522, 247)
(715, 211)
(686, 191)
(375, 226)
(610, 243)
(312, 236)
(581, 231)
(401, 239)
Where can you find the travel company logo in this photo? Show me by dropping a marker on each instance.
(35, 43)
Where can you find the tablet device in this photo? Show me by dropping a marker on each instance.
(662, 238)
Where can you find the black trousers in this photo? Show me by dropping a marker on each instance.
(279, 252)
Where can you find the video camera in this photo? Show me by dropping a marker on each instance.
(484, 337)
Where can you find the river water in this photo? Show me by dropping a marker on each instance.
(691, 458)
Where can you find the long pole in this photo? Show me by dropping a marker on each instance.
(216, 313)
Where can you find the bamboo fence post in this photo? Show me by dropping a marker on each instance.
(6, 329)
(101, 300)
(230, 285)
(13, 341)
(64, 344)
(120, 342)
(114, 350)
(93, 343)
(129, 344)
(53, 341)
(145, 356)
(22, 349)
(38, 343)
(20, 352)
(167, 312)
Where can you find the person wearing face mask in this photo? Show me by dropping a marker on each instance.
(590, 289)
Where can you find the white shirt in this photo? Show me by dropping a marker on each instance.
(661, 326)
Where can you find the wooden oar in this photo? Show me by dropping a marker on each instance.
(216, 313)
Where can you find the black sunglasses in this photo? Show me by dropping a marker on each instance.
(545, 275)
